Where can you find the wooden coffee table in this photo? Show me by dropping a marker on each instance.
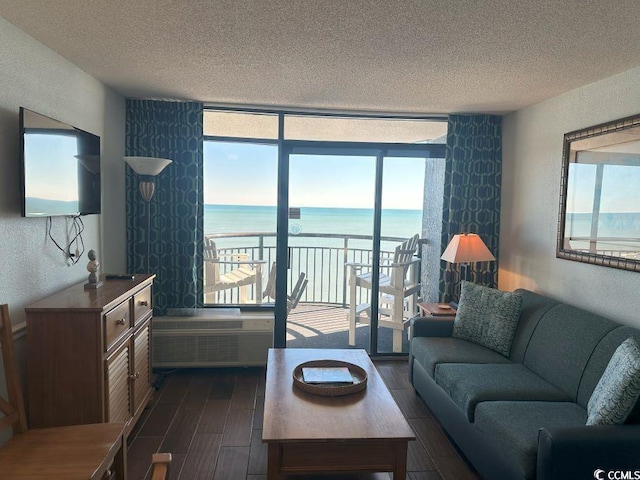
(306, 433)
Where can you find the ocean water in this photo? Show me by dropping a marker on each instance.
(324, 267)
(230, 219)
(619, 231)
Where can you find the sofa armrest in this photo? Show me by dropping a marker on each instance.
(431, 327)
(578, 452)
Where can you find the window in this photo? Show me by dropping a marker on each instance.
(321, 175)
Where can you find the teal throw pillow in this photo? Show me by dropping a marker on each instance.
(487, 316)
(618, 390)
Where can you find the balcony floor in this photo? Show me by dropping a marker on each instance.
(316, 325)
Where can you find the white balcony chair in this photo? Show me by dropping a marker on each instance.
(399, 285)
(296, 293)
(245, 272)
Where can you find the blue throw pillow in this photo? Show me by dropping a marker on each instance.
(619, 387)
(487, 316)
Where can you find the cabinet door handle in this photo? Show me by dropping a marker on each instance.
(144, 303)
(134, 376)
(122, 321)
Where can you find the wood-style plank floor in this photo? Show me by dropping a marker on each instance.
(210, 420)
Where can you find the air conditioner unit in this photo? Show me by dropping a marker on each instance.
(211, 338)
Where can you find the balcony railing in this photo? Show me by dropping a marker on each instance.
(628, 247)
(322, 257)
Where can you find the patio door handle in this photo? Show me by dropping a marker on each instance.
(288, 258)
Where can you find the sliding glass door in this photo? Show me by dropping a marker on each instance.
(330, 229)
(402, 202)
(354, 217)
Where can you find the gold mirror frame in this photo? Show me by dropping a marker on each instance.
(601, 168)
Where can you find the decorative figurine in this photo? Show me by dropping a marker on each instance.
(92, 267)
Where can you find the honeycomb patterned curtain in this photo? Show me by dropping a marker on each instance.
(173, 130)
(473, 176)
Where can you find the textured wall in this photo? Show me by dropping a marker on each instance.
(432, 228)
(113, 221)
(532, 159)
(35, 77)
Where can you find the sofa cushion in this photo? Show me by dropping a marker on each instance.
(469, 384)
(512, 427)
(619, 388)
(487, 316)
(562, 330)
(534, 307)
(431, 351)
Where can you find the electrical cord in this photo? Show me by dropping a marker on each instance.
(49, 222)
(78, 228)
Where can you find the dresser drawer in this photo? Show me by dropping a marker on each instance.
(141, 304)
(116, 323)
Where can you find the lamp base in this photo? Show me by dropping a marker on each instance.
(92, 286)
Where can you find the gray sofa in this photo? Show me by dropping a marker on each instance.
(523, 417)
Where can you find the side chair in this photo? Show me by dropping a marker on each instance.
(242, 273)
(77, 452)
(160, 466)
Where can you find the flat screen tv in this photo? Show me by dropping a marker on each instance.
(60, 168)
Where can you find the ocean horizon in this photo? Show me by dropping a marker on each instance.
(230, 219)
(618, 231)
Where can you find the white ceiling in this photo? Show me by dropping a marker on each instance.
(411, 56)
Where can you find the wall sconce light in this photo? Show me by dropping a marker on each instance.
(147, 168)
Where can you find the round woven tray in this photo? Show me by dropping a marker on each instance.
(357, 373)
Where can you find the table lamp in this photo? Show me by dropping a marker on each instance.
(467, 248)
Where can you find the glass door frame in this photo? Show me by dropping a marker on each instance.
(376, 150)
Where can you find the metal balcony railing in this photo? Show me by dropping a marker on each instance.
(628, 247)
(322, 257)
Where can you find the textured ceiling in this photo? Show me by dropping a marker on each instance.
(420, 56)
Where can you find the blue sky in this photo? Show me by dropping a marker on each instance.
(620, 191)
(246, 174)
(48, 156)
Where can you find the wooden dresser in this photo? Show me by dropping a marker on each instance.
(88, 354)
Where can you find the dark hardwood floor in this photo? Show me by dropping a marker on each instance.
(210, 420)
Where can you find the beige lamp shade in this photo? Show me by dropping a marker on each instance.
(467, 248)
(149, 166)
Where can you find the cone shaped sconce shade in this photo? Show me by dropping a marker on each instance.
(149, 166)
(467, 248)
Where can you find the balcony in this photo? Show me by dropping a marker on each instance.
(320, 319)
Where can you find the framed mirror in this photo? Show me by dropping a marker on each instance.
(599, 219)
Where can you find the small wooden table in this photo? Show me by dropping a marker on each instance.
(436, 310)
(306, 433)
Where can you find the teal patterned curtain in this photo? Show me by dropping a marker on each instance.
(171, 130)
(473, 179)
